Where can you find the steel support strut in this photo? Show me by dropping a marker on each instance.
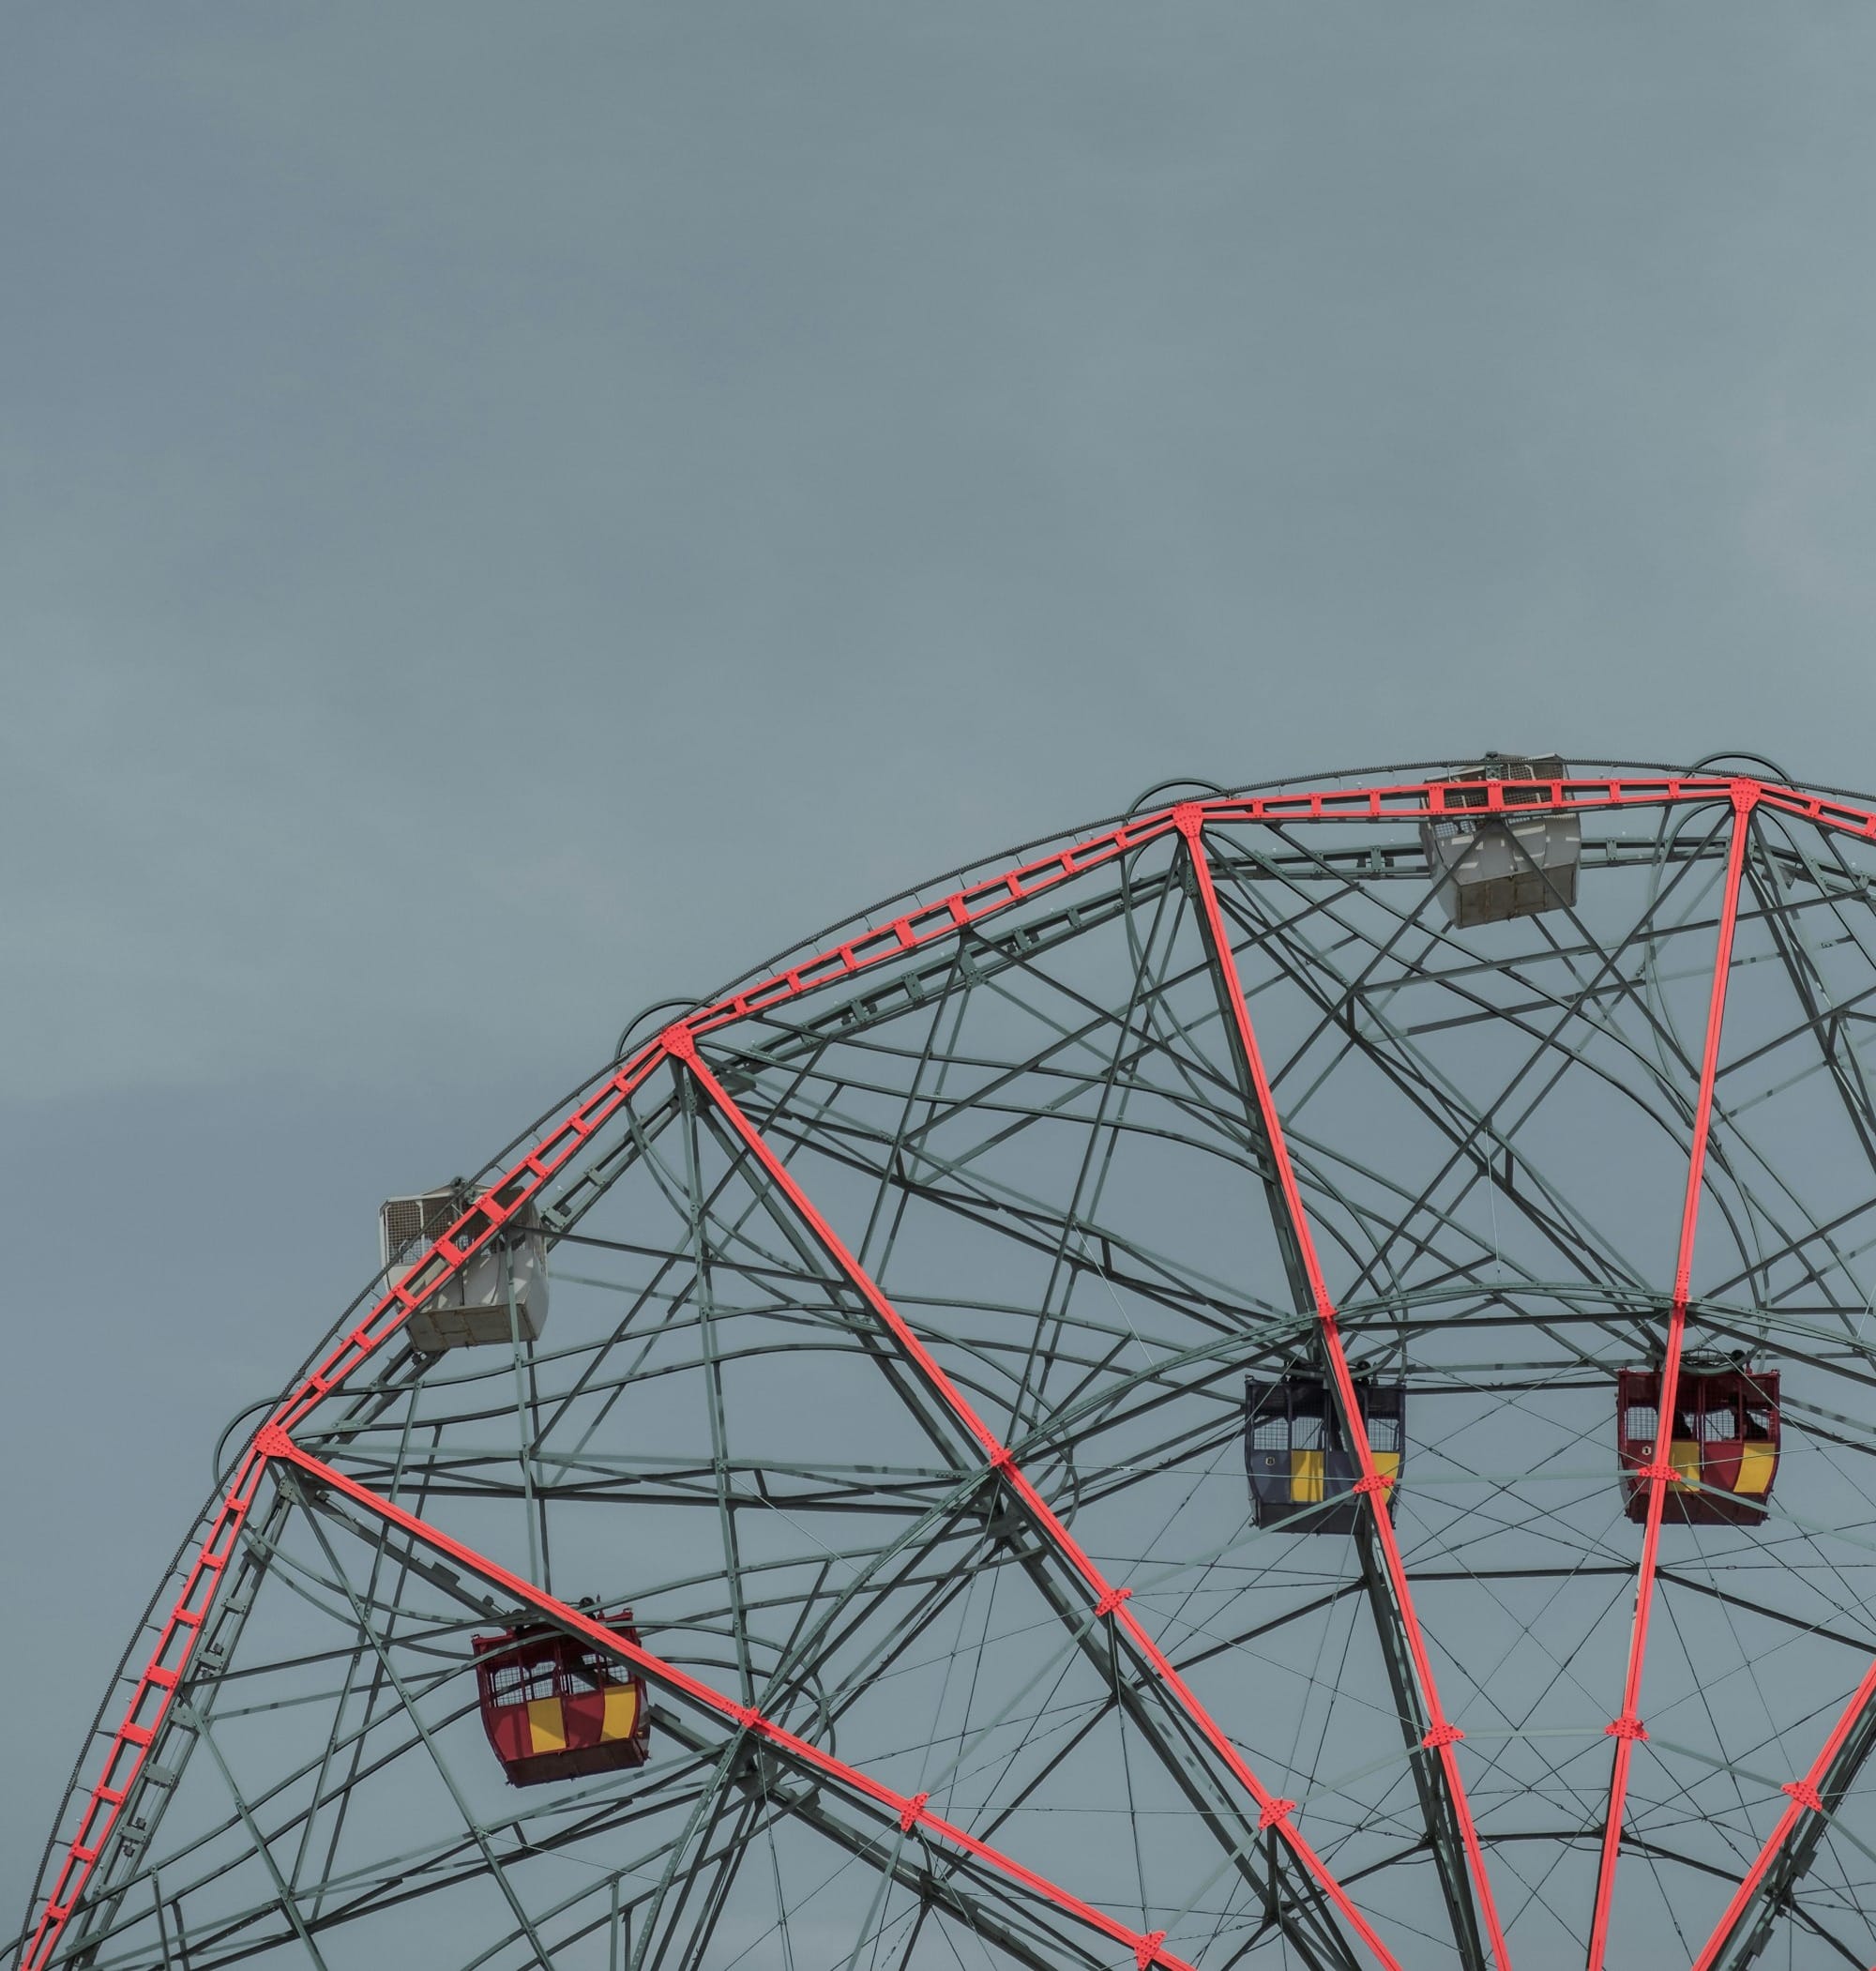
(911, 1811)
(1741, 1934)
(1437, 1812)
(1627, 1729)
(1442, 1735)
(1104, 1597)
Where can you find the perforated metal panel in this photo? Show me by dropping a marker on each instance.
(408, 1227)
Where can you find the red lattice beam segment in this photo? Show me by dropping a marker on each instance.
(1105, 1599)
(468, 1236)
(910, 1810)
(149, 1703)
(1807, 1796)
(1627, 1730)
(1442, 1736)
(151, 1699)
(1414, 801)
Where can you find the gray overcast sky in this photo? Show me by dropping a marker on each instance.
(511, 514)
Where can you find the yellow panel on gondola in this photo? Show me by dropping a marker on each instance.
(622, 1711)
(1757, 1463)
(1684, 1454)
(547, 1726)
(1306, 1478)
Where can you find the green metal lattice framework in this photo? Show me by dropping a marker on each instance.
(903, 1300)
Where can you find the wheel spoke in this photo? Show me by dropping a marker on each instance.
(1627, 1728)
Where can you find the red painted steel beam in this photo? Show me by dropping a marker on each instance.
(1442, 1736)
(1415, 802)
(149, 1703)
(1805, 1798)
(1627, 1728)
(1104, 1598)
(910, 1810)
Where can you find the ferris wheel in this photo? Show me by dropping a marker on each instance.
(1285, 1380)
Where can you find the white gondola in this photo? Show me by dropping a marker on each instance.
(499, 1296)
(1504, 866)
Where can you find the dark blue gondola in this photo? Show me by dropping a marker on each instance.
(1302, 1471)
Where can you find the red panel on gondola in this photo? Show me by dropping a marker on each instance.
(556, 1708)
(1723, 1446)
